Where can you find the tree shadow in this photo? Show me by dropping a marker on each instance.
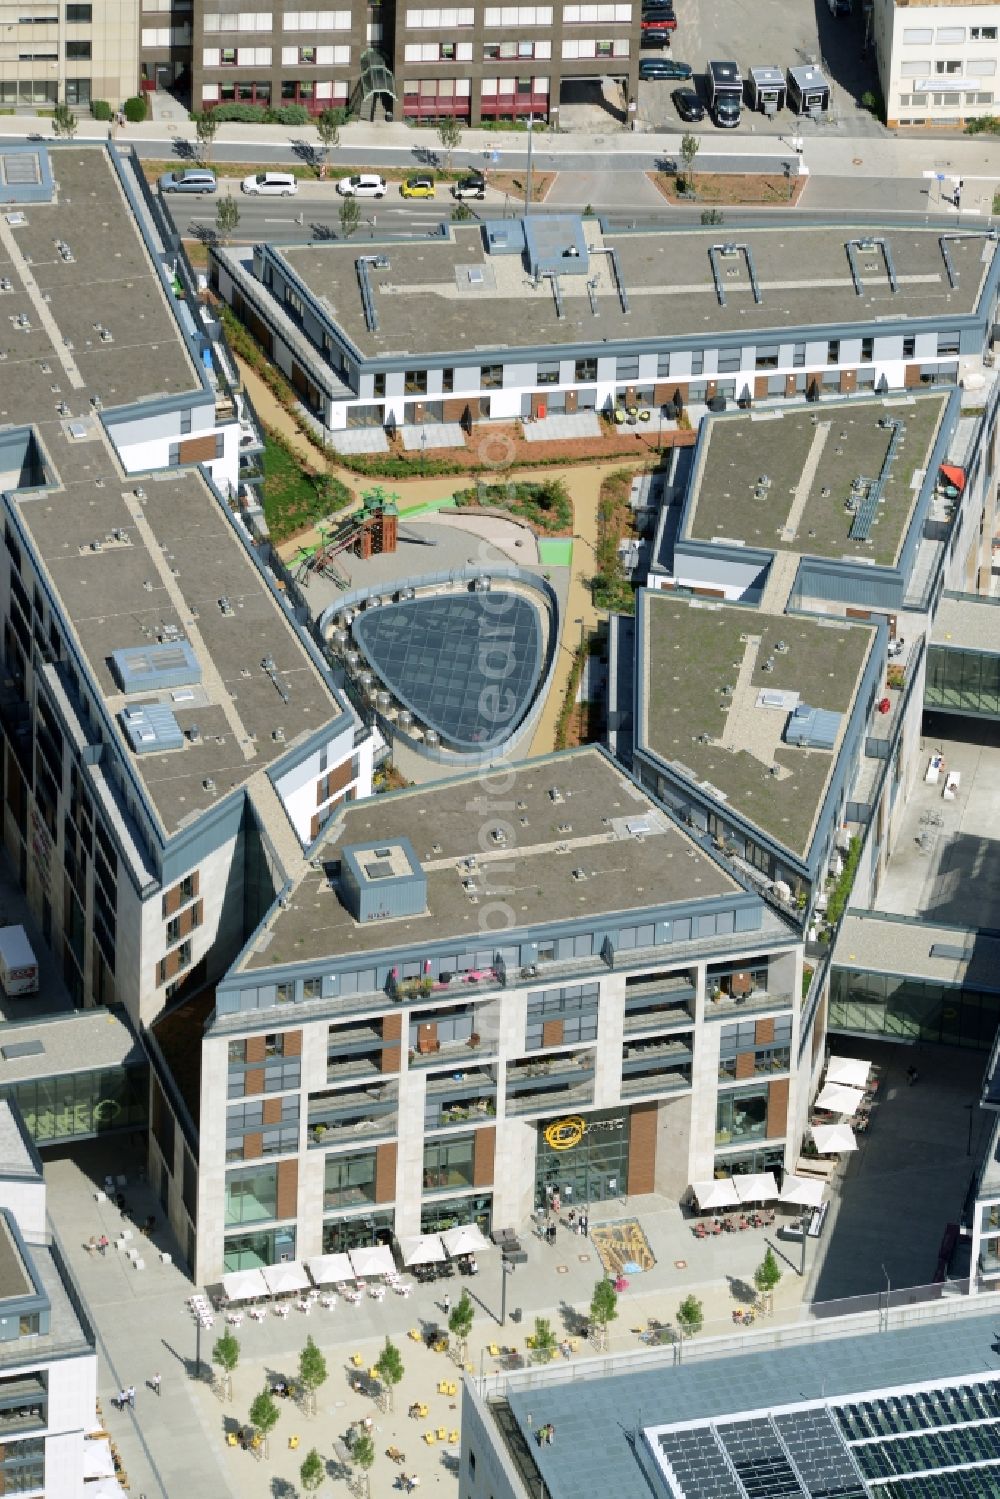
(207, 234)
(573, 1321)
(741, 1290)
(185, 149)
(322, 232)
(282, 1489)
(310, 155)
(426, 156)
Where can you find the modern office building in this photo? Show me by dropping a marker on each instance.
(937, 64)
(48, 1358)
(892, 1404)
(522, 319)
(54, 52)
(469, 998)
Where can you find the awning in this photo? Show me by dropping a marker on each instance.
(833, 1139)
(837, 1099)
(244, 1285)
(422, 1249)
(328, 1269)
(715, 1194)
(760, 1186)
(97, 1459)
(376, 75)
(852, 1071)
(466, 1238)
(283, 1279)
(373, 1259)
(803, 1191)
(954, 475)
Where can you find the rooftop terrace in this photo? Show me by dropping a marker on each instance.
(428, 304)
(782, 480)
(583, 827)
(700, 706)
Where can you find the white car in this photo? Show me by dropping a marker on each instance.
(270, 185)
(367, 185)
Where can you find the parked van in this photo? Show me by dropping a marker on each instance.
(193, 181)
(270, 185)
(18, 964)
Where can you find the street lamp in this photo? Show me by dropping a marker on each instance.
(507, 1268)
(527, 176)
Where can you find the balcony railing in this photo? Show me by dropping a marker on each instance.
(633, 1057)
(552, 1082)
(560, 1096)
(356, 1065)
(447, 1053)
(654, 1018)
(649, 1083)
(719, 1006)
(364, 1113)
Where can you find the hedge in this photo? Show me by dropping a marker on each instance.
(100, 109)
(135, 109)
(260, 114)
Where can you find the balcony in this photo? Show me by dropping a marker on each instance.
(741, 990)
(722, 1006)
(359, 1051)
(658, 1009)
(553, 1083)
(659, 1065)
(450, 1053)
(464, 1099)
(370, 1113)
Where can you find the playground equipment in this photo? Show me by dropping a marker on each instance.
(367, 532)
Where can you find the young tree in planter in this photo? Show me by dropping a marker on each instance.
(64, 121)
(312, 1372)
(226, 1354)
(766, 1276)
(390, 1369)
(460, 1323)
(449, 133)
(328, 129)
(264, 1415)
(350, 217)
(312, 1472)
(690, 146)
(603, 1309)
(227, 217)
(690, 1316)
(207, 128)
(545, 1341)
(363, 1453)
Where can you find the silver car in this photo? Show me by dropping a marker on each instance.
(190, 181)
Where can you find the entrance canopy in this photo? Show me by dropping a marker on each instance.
(852, 1071)
(422, 1249)
(715, 1194)
(803, 1191)
(837, 1099)
(760, 1186)
(328, 1269)
(467, 1238)
(376, 76)
(833, 1139)
(282, 1280)
(372, 1259)
(244, 1285)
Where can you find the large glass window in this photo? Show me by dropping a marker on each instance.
(595, 1169)
(745, 1162)
(740, 1041)
(349, 1179)
(252, 1195)
(575, 1006)
(22, 1466)
(444, 1213)
(967, 681)
(913, 1009)
(741, 1114)
(267, 1247)
(448, 1163)
(85, 1103)
(23, 1403)
(342, 1234)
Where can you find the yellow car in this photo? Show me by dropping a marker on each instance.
(417, 187)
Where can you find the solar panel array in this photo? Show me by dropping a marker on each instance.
(698, 1464)
(818, 1452)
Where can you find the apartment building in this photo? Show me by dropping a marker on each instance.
(549, 315)
(55, 52)
(937, 63)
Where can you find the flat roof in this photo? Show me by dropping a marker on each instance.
(598, 1420)
(16, 1158)
(632, 856)
(136, 559)
(781, 480)
(950, 955)
(969, 623)
(85, 1041)
(428, 304)
(700, 708)
(14, 1277)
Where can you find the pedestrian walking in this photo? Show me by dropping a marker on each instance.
(131, 1396)
(585, 1224)
(446, 1304)
(102, 1244)
(550, 1434)
(154, 1384)
(556, 1203)
(911, 1076)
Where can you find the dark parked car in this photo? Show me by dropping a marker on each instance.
(657, 17)
(655, 36)
(688, 105)
(472, 186)
(663, 67)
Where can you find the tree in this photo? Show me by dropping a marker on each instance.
(545, 1341)
(226, 1354)
(603, 1308)
(206, 127)
(328, 124)
(461, 213)
(460, 1323)
(690, 146)
(64, 121)
(712, 216)
(363, 1453)
(312, 1471)
(690, 1316)
(227, 217)
(312, 1372)
(390, 1368)
(264, 1415)
(449, 133)
(350, 217)
(767, 1275)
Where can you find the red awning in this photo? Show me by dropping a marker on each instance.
(954, 475)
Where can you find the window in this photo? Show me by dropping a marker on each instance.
(976, 33)
(798, 356)
(252, 1195)
(867, 349)
(918, 69)
(78, 51)
(628, 367)
(950, 35)
(84, 14)
(741, 1114)
(22, 1467)
(415, 382)
(284, 993)
(909, 348)
(350, 1180)
(698, 362)
(740, 1052)
(448, 1163)
(312, 988)
(492, 376)
(833, 351)
(947, 343)
(585, 369)
(548, 374)
(663, 366)
(575, 1007)
(767, 357)
(948, 65)
(916, 35)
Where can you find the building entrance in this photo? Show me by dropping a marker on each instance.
(582, 1156)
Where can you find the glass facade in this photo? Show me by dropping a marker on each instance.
(591, 1169)
(267, 1247)
(741, 1114)
(350, 1179)
(912, 1009)
(448, 1212)
(963, 681)
(22, 1466)
(448, 1163)
(252, 1195)
(83, 1103)
(740, 1040)
(746, 1162)
(342, 1234)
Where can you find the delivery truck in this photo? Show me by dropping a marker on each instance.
(18, 964)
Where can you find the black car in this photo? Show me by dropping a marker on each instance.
(663, 67)
(688, 105)
(655, 36)
(658, 13)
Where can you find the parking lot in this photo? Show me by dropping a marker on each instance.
(754, 32)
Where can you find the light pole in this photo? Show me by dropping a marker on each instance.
(506, 1269)
(527, 175)
(806, 1220)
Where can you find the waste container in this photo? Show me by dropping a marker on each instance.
(516, 1314)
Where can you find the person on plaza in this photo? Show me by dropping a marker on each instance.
(571, 1220)
(446, 1304)
(550, 1434)
(121, 1399)
(585, 1223)
(154, 1384)
(131, 1396)
(556, 1203)
(102, 1244)
(911, 1075)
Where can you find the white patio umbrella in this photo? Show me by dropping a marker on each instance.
(105, 1488)
(837, 1099)
(372, 1259)
(422, 1249)
(833, 1139)
(328, 1269)
(283, 1279)
(803, 1191)
(715, 1194)
(465, 1238)
(97, 1460)
(850, 1070)
(244, 1285)
(758, 1186)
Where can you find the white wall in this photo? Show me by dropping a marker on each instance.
(297, 786)
(26, 1200)
(913, 40)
